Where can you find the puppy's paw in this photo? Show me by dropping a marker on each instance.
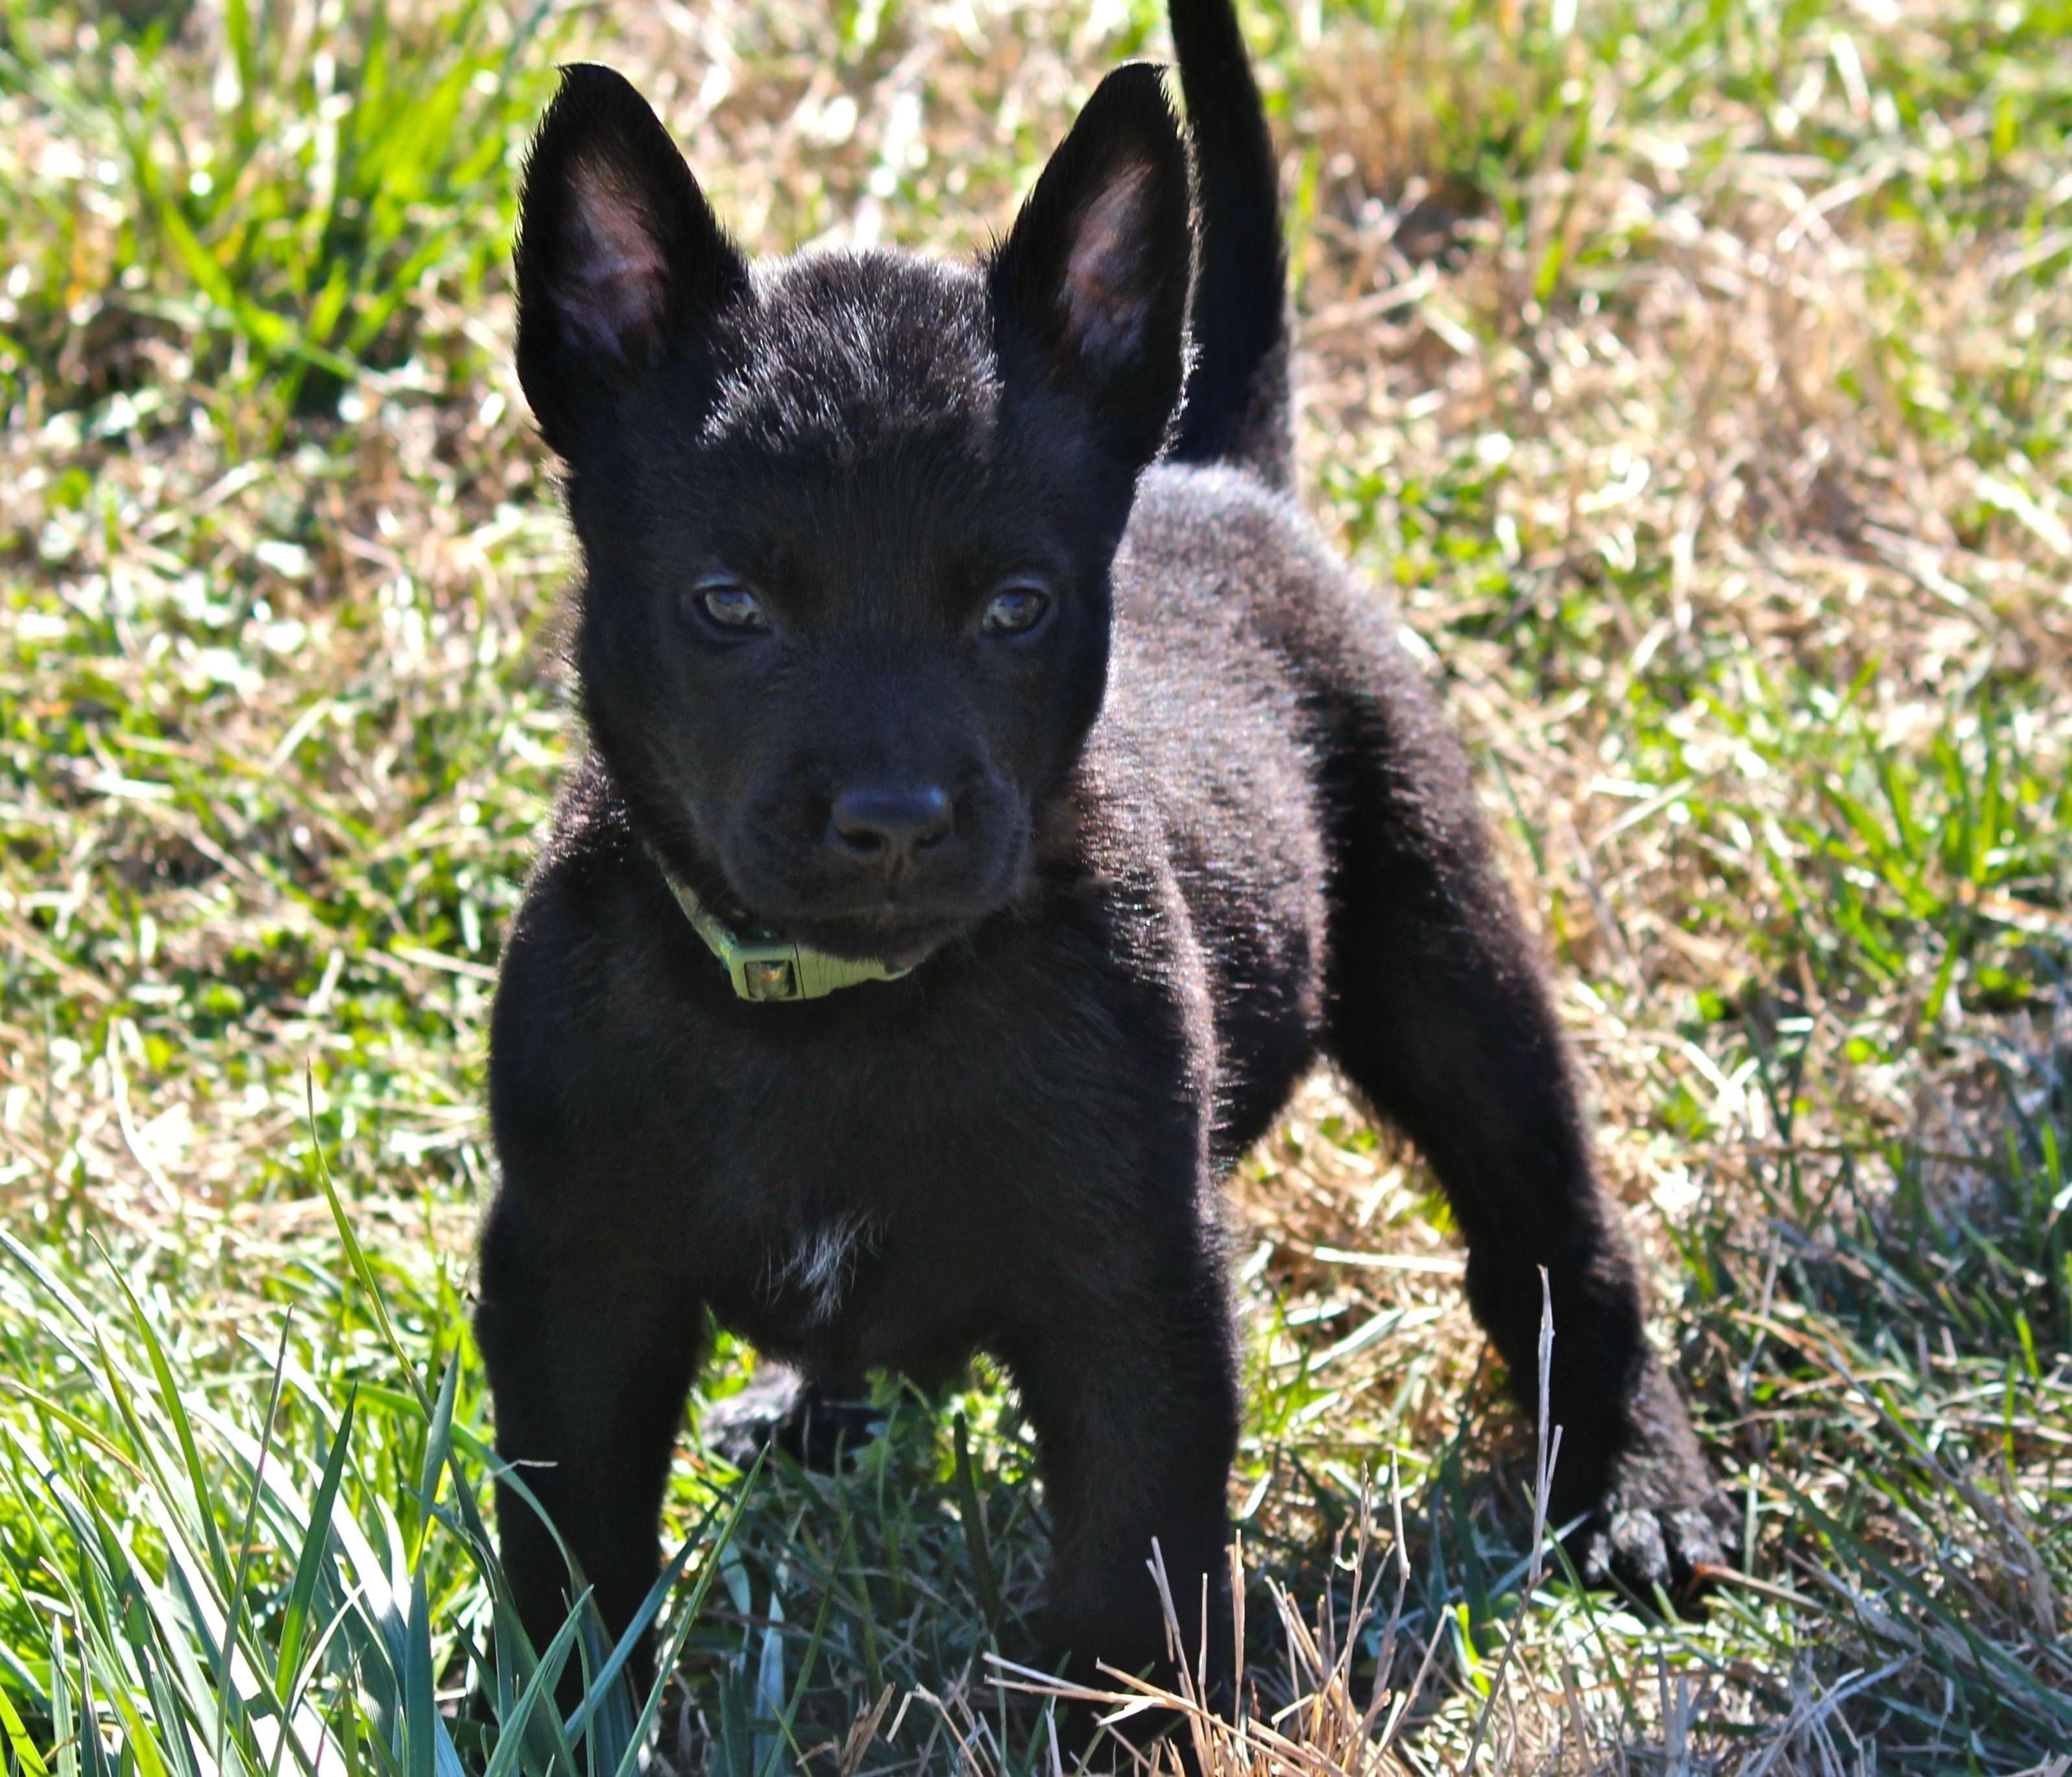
(1654, 1520)
(1660, 1522)
(813, 1423)
(1636, 1548)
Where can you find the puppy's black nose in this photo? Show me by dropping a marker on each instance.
(888, 825)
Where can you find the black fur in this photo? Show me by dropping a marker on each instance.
(1200, 824)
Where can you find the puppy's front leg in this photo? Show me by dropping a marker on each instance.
(1129, 1373)
(590, 1349)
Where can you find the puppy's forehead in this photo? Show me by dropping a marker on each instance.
(848, 353)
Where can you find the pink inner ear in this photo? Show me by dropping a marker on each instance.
(611, 289)
(1105, 295)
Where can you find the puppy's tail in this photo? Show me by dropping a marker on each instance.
(1237, 403)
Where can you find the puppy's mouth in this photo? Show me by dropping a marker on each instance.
(901, 923)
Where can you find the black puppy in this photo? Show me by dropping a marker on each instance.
(998, 797)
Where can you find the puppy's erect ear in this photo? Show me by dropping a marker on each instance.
(1090, 288)
(619, 257)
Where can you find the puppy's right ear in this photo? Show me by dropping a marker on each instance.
(620, 258)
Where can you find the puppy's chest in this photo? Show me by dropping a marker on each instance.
(808, 1271)
(851, 1291)
(887, 1184)
(855, 1237)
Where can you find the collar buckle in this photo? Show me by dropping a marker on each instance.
(769, 971)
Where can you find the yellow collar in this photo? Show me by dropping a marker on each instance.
(769, 969)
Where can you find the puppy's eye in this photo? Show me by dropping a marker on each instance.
(729, 604)
(1015, 609)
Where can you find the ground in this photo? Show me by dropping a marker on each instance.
(1696, 376)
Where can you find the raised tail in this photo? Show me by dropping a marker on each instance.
(1238, 406)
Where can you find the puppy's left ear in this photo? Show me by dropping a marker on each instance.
(1090, 287)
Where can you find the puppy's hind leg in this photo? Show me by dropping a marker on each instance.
(1439, 1017)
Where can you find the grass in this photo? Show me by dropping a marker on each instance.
(1699, 377)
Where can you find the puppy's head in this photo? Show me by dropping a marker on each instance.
(847, 520)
